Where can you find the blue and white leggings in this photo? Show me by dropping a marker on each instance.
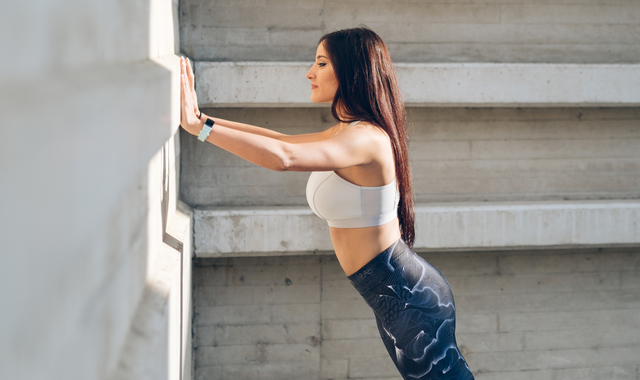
(415, 312)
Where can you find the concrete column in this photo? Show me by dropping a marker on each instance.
(93, 279)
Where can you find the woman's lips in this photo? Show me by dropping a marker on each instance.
(313, 86)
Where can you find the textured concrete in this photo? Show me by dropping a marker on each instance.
(522, 31)
(534, 315)
(283, 84)
(554, 172)
(91, 277)
(457, 155)
(269, 328)
(161, 328)
(279, 230)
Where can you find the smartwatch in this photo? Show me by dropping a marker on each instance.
(206, 129)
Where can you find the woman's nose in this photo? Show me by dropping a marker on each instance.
(310, 73)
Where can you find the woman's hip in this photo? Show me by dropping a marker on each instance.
(400, 268)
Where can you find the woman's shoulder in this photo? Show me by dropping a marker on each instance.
(362, 132)
(373, 130)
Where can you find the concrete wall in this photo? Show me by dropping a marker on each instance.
(457, 154)
(578, 31)
(534, 315)
(96, 247)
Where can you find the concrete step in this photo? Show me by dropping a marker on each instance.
(276, 231)
(284, 84)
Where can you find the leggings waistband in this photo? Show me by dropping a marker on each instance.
(376, 270)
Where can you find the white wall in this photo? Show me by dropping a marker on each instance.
(89, 160)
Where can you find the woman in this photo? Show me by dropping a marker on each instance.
(361, 184)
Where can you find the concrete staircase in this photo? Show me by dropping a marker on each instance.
(440, 226)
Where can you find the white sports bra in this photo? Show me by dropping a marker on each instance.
(346, 205)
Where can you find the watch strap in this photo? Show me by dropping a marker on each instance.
(206, 130)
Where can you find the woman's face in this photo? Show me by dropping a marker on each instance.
(324, 83)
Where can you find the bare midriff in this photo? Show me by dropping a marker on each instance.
(355, 247)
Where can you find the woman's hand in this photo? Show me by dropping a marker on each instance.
(188, 100)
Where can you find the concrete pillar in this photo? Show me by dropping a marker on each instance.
(93, 279)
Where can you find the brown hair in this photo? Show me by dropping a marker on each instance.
(368, 90)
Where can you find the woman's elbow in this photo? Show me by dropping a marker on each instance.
(284, 161)
(281, 163)
(279, 167)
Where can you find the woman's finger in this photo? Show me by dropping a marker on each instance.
(191, 91)
(190, 73)
(181, 89)
(188, 90)
(185, 92)
(182, 99)
(188, 100)
(183, 70)
(188, 107)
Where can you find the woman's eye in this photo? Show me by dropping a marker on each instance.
(321, 64)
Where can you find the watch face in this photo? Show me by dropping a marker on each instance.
(209, 122)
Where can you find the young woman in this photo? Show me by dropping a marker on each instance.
(361, 184)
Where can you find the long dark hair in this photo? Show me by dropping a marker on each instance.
(368, 90)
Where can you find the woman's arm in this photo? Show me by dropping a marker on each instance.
(353, 146)
(185, 69)
(296, 139)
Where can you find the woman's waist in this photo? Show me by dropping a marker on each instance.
(355, 247)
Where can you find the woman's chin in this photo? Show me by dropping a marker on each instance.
(315, 99)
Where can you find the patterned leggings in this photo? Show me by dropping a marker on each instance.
(415, 312)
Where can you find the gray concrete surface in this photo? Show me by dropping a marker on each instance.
(457, 155)
(284, 84)
(560, 31)
(274, 231)
(523, 315)
(532, 314)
